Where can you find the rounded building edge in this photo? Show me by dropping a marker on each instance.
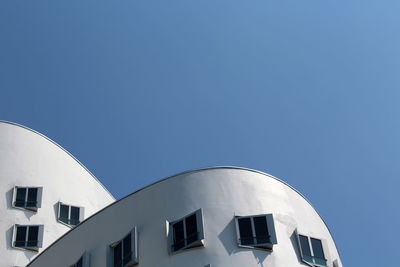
(63, 149)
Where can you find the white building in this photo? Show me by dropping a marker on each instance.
(45, 192)
(212, 217)
(219, 217)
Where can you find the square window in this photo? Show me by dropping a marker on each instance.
(125, 251)
(70, 215)
(28, 198)
(311, 250)
(186, 232)
(28, 237)
(256, 231)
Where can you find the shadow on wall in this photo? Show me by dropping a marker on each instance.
(8, 238)
(55, 207)
(29, 255)
(9, 197)
(229, 241)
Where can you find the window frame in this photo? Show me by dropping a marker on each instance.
(85, 260)
(38, 198)
(270, 228)
(39, 237)
(312, 263)
(81, 214)
(200, 231)
(134, 249)
(335, 263)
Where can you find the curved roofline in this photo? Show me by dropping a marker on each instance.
(66, 151)
(187, 172)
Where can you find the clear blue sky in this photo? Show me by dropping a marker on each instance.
(306, 90)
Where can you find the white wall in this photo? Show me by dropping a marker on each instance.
(222, 193)
(27, 158)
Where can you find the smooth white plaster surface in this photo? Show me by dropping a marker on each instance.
(27, 158)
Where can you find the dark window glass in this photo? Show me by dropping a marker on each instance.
(246, 233)
(305, 247)
(317, 248)
(118, 255)
(69, 214)
(127, 249)
(64, 213)
(261, 229)
(20, 197)
(74, 216)
(32, 197)
(20, 237)
(191, 229)
(33, 234)
(179, 236)
(79, 263)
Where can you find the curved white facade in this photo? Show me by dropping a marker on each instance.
(29, 159)
(222, 193)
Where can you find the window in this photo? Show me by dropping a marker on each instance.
(70, 215)
(29, 198)
(186, 233)
(311, 250)
(79, 263)
(84, 261)
(125, 252)
(256, 231)
(27, 236)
